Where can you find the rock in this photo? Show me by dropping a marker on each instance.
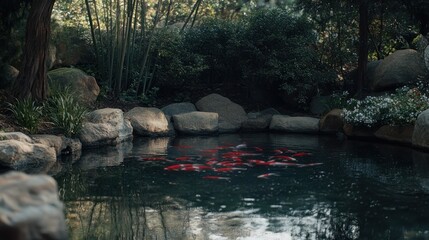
(259, 121)
(83, 85)
(231, 115)
(420, 43)
(332, 122)
(178, 108)
(370, 73)
(8, 75)
(108, 156)
(148, 121)
(401, 134)
(19, 136)
(51, 141)
(358, 132)
(105, 126)
(196, 123)
(397, 69)
(421, 130)
(23, 155)
(294, 124)
(30, 208)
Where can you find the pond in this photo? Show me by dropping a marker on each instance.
(242, 186)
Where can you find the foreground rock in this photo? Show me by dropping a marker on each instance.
(397, 69)
(259, 121)
(148, 121)
(400, 134)
(105, 126)
(83, 85)
(196, 123)
(30, 208)
(23, 155)
(421, 130)
(231, 115)
(332, 122)
(294, 124)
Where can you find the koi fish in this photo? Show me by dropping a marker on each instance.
(209, 150)
(177, 167)
(195, 168)
(258, 162)
(267, 175)
(228, 169)
(301, 154)
(282, 164)
(239, 146)
(235, 164)
(310, 164)
(278, 151)
(258, 149)
(287, 158)
(184, 158)
(216, 178)
(211, 162)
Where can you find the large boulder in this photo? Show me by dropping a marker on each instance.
(259, 121)
(8, 75)
(61, 144)
(294, 124)
(178, 108)
(105, 126)
(19, 136)
(85, 86)
(148, 121)
(22, 155)
(397, 69)
(30, 208)
(400, 134)
(421, 130)
(332, 122)
(231, 115)
(196, 123)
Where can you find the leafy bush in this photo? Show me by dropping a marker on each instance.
(65, 112)
(399, 108)
(27, 113)
(337, 100)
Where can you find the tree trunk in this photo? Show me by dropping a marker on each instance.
(363, 46)
(32, 79)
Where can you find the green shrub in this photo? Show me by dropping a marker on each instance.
(27, 113)
(399, 108)
(65, 112)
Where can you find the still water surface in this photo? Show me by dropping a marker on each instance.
(363, 190)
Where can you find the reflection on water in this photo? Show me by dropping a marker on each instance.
(362, 191)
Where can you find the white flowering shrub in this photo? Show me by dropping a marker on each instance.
(399, 108)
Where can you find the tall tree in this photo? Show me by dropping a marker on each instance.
(32, 78)
(363, 44)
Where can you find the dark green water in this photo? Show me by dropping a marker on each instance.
(363, 190)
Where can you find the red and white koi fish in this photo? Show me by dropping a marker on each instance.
(239, 146)
(216, 178)
(184, 158)
(177, 167)
(301, 154)
(258, 149)
(228, 169)
(278, 151)
(267, 175)
(212, 161)
(287, 158)
(258, 162)
(310, 164)
(210, 151)
(234, 164)
(195, 168)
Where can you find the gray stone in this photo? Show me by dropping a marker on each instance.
(358, 132)
(19, 136)
(332, 122)
(51, 141)
(229, 112)
(421, 130)
(259, 121)
(397, 69)
(105, 126)
(178, 108)
(426, 57)
(400, 134)
(23, 155)
(148, 121)
(30, 208)
(83, 85)
(196, 123)
(294, 124)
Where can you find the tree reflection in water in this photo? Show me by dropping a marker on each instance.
(373, 194)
